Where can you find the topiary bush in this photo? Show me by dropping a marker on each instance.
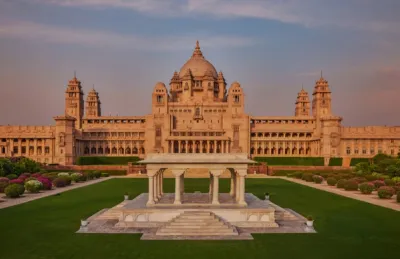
(331, 181)
(77, 177)
(67, 179)
(359, 179)
(63, 174)
(14, 190)
(47, 185)
(12, 176)
(378, 183)
(89, 175)
(105, 175)
(33, 186)
(308, 177)
(340, 184)
(385, 192)
(366, 188)
(50, 176)
(4, 179)
(351, 185)
(371, 177)
(3, 186)
(318, 179)
(389, 182)
(60, 182)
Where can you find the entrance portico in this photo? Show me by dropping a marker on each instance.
(217, 164)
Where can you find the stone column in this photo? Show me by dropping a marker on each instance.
(237, 187)
(210, 186)
(159, 193)
(215, 200)
(232, 190)
(151, 192)
(242, 191)
(162, 182)
(177, 190)
(182, 182)
(155, 189)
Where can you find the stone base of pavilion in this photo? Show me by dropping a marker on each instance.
(196, 219)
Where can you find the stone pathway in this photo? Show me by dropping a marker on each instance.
(8, 202)
(357, 195)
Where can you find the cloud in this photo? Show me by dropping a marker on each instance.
(353, 14)
(86, 37)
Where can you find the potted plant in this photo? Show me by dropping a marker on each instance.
(126, 196)
(310, 221)
(266, 196)
(84, 222)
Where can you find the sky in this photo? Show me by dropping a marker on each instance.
(272, 47)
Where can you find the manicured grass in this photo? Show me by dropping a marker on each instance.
(346, 228)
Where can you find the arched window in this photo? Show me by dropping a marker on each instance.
(159, 98)
(93, 150)
(134, 150)
(197, 113)
(236, 98)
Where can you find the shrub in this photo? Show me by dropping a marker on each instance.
(371, 177)
(104, 175)
(89, 175)
(60, 182)
(331, 181)
(385, 192)
(12, 176)
(354, 161)
(50, 176)
(45, 182)
(97, 174)
(63, 174)
(378, 184)
(26, 175)
(14, 190)
(389, 182)
(340, 184)
(17, 181)
(351, 185)
(36, 175)
(396, 179)
(366, 188)
(67, 179)
(380, 176)
(3, 186)
(28, 179)
(396, 188)
(33, 186)
(318, 179)
(77, 177)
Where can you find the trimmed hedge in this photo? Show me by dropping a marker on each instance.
(335, 161)
(105, 160)
(306, 161)
(356, 160)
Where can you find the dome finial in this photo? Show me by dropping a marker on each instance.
(197, 52)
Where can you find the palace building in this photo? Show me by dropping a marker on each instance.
(197, 113)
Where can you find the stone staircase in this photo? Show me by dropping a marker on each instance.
(110, 214)
(197, 223)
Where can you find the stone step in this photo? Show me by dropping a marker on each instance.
(196, 217)
(217, 227)
(195, 234)
(196, 213)
(194, 221)
(211, 223)
(197, 230)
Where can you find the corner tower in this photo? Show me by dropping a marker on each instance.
(74, 105)
(302, 104)
(321, 105)
(93, 104)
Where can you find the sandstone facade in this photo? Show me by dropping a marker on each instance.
(197, 114)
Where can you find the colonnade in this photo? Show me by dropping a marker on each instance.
(199, 146)
(237, 185)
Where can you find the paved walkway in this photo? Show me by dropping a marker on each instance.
(8, 202)
(357, 195)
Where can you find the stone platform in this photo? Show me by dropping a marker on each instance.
(196, 218)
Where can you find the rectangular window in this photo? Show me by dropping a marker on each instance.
(23, 150)
(15, 150)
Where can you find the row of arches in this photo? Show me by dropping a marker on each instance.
(280, 151)
(199, 146)
(113, 151)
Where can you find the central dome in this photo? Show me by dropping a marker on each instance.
(198, 65)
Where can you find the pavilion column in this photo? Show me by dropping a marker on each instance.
(151, 191)
(241, 194)
(182, 182)
(155, 188)
(178, 177)
(237, 186)
(162, 182)
(210, 187)
(215, 190)
(159, 191)
(232, 190)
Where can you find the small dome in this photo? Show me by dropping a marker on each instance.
(235, 84)
(159, 85)
(198, 65)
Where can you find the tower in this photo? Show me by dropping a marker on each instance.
(221, 86)
(302, 104)
(74, 105)
(321, 105)
(93, 104)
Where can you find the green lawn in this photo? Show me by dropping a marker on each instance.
(346, 228)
